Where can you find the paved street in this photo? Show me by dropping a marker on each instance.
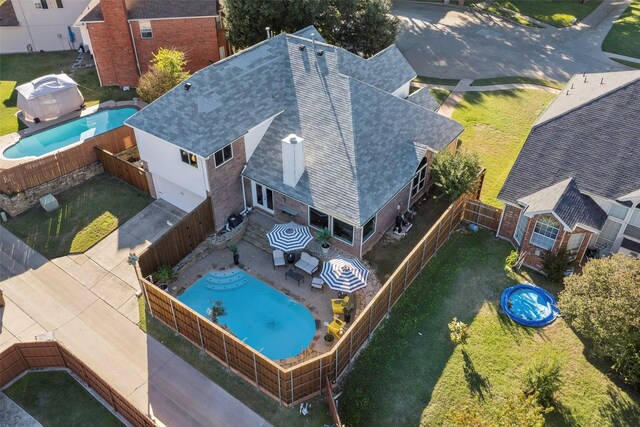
(451, 42)
(89, 303)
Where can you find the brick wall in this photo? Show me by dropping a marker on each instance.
(196, 37)
(386, 217)
(509, 223)
(226, 184)
(281, 201)
(532, 260)
(583, 246)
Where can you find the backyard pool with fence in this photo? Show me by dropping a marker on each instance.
(69, 133)
(260, 316)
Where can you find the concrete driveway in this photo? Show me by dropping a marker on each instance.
(88, 301)
(452, 42)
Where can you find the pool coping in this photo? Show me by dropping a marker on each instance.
(10, 139)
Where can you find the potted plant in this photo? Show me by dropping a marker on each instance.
(323, 237)
(164, 276)
(348, 308)
(236, 255)
(328, 337)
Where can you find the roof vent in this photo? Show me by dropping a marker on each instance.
(602, 81)
(301, 47)
(187, 86)
(320, 52)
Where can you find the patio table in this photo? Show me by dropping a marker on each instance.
(294, 275)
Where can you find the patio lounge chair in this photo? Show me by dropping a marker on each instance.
(337, 305)
(307, 263)
(278, 258)
(317, 283)
(336, 327)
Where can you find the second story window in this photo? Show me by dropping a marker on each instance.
(189, 158)
(41, 4)
(223, 155)
(145, 30)
(59, 4)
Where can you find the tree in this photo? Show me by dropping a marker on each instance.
(455, 174)
(166, 72)
(361, 26)
(216, 310)
(603, 305)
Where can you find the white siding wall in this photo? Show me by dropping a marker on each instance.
(254, 136)
(402, 91)
(40, 27)
(175, 181)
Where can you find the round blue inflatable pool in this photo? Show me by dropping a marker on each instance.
(529, 305)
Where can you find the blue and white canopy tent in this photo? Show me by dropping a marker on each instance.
(289, 237)
(344, 274)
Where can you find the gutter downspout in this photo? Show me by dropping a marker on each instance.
(135, 50)
(27, 25)
(244, 195)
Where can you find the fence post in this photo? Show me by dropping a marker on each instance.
(424, 251)
(370, 320)
(226, 353)
(321, 375)
(337, 350)
(390, 292)
(291, 378)
(350, 347)
(279, 388)
(175, 322)
(406, 276)
(255, 369)
(438, 238)
(200, 332)
(451, 219)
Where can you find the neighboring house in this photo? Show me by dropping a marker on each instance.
(123, 35)
(300, 130)
(34, 25)
(576, 182)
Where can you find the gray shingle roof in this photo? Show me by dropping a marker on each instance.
(423, 98)
(596, 144)
(566, 201)
(8, 16)
(362, 145)
(155, 9)
(310, 32)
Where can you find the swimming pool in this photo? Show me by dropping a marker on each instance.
(529, 305)
(61, 136)
(267, 320)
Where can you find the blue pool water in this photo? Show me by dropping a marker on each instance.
(69, 133)
(267, 320)
(529, 305)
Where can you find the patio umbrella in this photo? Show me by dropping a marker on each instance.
(344, 274)
(289, 237)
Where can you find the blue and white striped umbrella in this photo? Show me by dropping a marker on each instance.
(289, 237)
(344, 274)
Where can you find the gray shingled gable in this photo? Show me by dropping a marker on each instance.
(565, 200)
(362, 144)
(156, 9)
(8, 16)
(311, 33)
(596, 144)
(423, 98)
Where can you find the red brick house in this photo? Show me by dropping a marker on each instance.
(576, 182)
(122, 35)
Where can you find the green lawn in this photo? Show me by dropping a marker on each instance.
(628, 63)
(88, 213)
(260, 403)
(411, 374)
(436, 81)
(440, 94)
(496, 126)
(19, 68)
(55, 398)
(517, 79)
(624, 37)
(559, 13)
(520, 19)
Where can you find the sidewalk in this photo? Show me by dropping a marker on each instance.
(88, 301)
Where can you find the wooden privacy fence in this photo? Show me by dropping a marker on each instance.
(300, 382)
(22, 357)
(122, 169)
(45, 169)
(482, 214)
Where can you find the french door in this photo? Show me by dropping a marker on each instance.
(262, 196)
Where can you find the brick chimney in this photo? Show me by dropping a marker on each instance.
(292, 159)
(117, 49)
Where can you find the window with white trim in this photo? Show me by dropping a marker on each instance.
(145, 29)
(41, 4)
(343, 231)
(189, 158)
(521, 227)
(635, 217)
(545, 233)
(59, 4)
(369, 229)
(618, 211)
(608, 234)
(575, 242)
(223, 155)
(318, 219)
(420, 178)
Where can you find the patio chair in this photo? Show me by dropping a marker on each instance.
(307, 263)
(336, 327)
(278, 258)
(317, 283)
(337, 305)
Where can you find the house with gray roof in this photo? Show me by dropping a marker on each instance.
(576, 183)
(300, 130)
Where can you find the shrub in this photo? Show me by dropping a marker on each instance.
(166, 71)
(512, 259)
(459, 331)
(164, 274)
(603, 305)
(454, 174)
(523, 411)
(543, 378)
(555, 264)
